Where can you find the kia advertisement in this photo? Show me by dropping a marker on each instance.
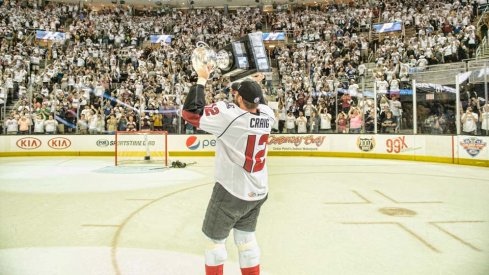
(29, 143)
(43, 143)
(59, 143)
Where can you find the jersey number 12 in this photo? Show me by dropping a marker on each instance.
(255, 161)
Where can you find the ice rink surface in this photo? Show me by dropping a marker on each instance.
(81, 215)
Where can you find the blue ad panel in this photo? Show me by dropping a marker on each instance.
(156, 39)
(388, 27)
(45, 35)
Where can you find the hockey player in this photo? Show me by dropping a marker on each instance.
(242, 129)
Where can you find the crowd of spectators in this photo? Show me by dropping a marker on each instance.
(326, 65)
(105, 77)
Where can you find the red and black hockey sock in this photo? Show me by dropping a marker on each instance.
(214, 270)
(255, 270)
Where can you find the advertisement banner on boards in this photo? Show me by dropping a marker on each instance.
(463, 147)
(312, 143)
(473, 147)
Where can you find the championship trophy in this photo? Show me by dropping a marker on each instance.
(203, 56)
(237, 60)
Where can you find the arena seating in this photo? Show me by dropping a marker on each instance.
(107, 76)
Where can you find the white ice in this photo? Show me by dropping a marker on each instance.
(80, 215)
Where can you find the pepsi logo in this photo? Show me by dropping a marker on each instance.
(192, 143)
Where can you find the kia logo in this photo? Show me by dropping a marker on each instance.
(28, 143)
(59, 143)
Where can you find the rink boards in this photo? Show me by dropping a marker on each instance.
(446, 149)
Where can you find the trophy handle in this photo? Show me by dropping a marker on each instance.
(204, 55)
(202, 44)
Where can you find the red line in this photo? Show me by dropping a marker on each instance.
(453, 150)
(166, 148)
(116, 133)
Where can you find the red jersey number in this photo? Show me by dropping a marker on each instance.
(211, 110)
(255, 161)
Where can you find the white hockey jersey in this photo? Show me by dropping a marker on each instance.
(241, 147)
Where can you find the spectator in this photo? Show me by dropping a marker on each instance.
(275, 124)
(158, 122)
(122, 123)
(355, 121)
(131, 125)
(438, 125)
(112, 124)
(24, 125)
(189, 128)
(395, 107)
(39, 124)
(301, 122)
(50, 125)
(290, 122)
(282, 115)
(100, 123)
(93, 123)
(12, 126)
(370, 121)
(325, 117)
(82, 125)
(345, 102)
(382, 86)
(485, 120)
(388, 123)
(469, 122)
(314, 123)
(394, 86)
(341, 122)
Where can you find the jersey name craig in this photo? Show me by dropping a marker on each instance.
(259, 123)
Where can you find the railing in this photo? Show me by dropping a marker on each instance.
(445, 73)
(28, 40)
(483, 14)
(481, 49)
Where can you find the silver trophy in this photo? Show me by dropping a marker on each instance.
(203, 56)
(236, 60)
